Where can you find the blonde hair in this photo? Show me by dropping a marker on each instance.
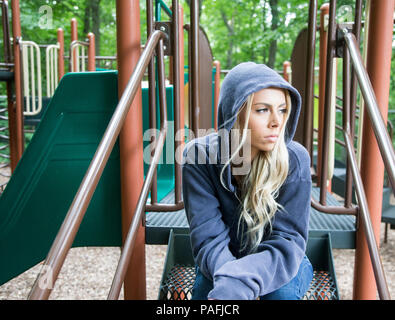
(260, 187)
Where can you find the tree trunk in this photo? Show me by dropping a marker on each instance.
(273, 43)
(96, 24)
(87, 17)
(92, 21)
(230, 28)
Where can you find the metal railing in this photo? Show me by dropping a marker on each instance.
(78, 55)
(380, 130)
(76, 212)
(51, 58)
(350, 48)
(32, 87)
(385, 146)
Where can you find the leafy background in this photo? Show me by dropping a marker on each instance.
(239, 30)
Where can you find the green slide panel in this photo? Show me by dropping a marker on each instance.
(43, 186)
(165, 169)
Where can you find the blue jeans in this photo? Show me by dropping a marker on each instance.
(293, 290)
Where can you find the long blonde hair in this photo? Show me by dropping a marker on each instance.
(260, 187)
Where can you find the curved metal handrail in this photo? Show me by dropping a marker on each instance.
(74, 52)
(130, 239)
(65, 237)
(380, 131)
(386, 150)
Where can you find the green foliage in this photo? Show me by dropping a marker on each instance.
(238, 30)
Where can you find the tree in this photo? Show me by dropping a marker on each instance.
(274, 27)
(92, 21)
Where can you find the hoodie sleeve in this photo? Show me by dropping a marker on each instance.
(208, 233)
(280, 255)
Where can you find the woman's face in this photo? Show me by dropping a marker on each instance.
(267, 117)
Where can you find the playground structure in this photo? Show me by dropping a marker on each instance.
(116, 169)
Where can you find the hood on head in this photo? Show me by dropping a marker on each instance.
(247, 78)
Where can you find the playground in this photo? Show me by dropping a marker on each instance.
(90, 187)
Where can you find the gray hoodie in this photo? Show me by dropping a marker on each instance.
(213, 211)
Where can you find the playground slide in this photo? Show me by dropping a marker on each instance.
(39, 193)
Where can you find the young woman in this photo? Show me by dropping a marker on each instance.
(248, 210)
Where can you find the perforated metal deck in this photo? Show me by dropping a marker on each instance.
(180, 280)
(179, 270)
(340, 227)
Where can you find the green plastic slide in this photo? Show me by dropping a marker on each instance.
(39, 193)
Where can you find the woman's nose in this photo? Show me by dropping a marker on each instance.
(275, 120)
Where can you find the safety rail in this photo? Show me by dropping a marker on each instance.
(69, 228)
(51, 54)
(31, 65)
(141, 204)
(380, 130)
(361, 210)
(385, 146)
(151, 178)
(77, 55)
(6, 31)
(178, 204)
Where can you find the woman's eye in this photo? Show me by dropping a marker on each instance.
(284, 110)
(262, 110)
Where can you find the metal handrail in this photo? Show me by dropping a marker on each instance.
(377, 264)
(130, 239)
(76, 212)
(383, 140)
(351, 51)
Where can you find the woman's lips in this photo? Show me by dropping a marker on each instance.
(271, 138)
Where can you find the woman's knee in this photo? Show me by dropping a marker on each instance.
(297, 287)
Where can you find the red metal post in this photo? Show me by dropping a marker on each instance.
(217, 85)
(18, 106)
(378, 66)
(286, 69)
(91, 52)
(131, 142)
(60, 54)
(74, 36)
(182, 62)
(324, 14)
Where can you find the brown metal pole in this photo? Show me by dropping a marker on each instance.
(131, 143)
(324, 11)
(217, 86)
(152, 97)
(91, 52)
(60, 54)
(286, 67)
(10, 101)
(194, 67)
(18, 106)
(309, 85)
(74, 37)
(177, 92)
(327, 108)
(353, 98)
(129, 243)
(181, 78)
(346, 121)
(9, 86)
(372, 168)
